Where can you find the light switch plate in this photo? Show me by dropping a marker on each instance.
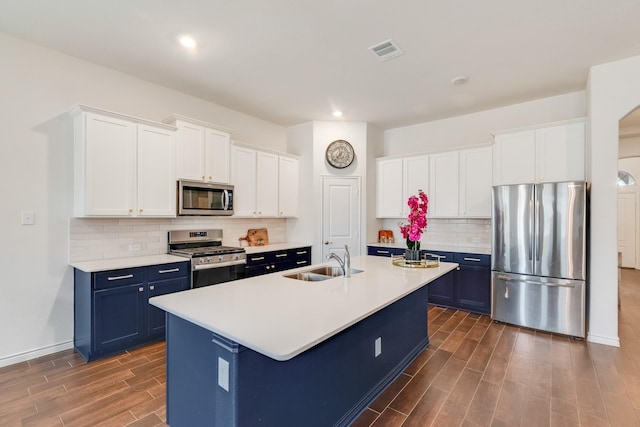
(28, 218)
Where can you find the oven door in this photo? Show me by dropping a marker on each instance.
(214, 274)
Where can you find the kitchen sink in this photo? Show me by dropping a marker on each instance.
(308, 276)
(332, 271)
(319, 274)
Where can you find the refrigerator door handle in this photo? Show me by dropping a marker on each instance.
(531, 229)
(538, 228)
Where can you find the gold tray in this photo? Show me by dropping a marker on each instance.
(420, 263)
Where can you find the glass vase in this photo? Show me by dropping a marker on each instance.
(412, 255)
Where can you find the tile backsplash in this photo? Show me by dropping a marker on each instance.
(463, 234)
(105, 238)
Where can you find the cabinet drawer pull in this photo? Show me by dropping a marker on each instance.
(140, 289)
(301, 262)
(281, 255)
(260, 258)
(472, 259)
(128, 276)
(151, 287)
(173, 270)
(382, 252)
(301, 253)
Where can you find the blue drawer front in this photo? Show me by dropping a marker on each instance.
(167, 271)
(384, 251)
(116, 278)
(481, 260)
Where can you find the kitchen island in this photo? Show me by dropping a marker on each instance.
(276, 351)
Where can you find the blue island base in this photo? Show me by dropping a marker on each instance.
(212, 381)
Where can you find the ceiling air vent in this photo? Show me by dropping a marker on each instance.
(386, 50)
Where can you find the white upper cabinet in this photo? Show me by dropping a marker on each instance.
(443, 185)
(475, 182)
(389, 189)
(547, 153)
(415, 177)
(288, 187)
(123, 166)
(265, 184)
(202, 150)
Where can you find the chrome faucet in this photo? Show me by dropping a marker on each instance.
(346, 264)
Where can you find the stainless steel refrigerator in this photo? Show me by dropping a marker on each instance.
(538, 257)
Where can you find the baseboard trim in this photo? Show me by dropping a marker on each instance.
(599, 339)
(32, 354)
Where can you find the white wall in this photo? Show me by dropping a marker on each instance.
(629, 147)
(613, 91)
(38, 86)
(475, 129)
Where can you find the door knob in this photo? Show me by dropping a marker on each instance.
(328, 243)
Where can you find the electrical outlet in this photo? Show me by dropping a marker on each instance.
(378, 347)
(134, 247)
(476, 240)
(223, 373)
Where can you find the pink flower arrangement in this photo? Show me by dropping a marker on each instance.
(417, 220)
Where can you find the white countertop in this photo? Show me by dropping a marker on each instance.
(281, 317)
(274, 247)
(134, 261)
(436, 247)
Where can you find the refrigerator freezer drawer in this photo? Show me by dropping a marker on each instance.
(553, 305)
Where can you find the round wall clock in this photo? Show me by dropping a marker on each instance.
(340, 154)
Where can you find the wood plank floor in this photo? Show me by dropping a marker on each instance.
(475, 373)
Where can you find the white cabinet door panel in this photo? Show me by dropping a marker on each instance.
(288, 187)
(514, 156)
(267, 184)
(475, 182)
(189, 164)
(443, 185)
(560, 153)
(109, 167)
(216, 156)
(243, 177)
(415, 178)
(156, 195)
(389, 192)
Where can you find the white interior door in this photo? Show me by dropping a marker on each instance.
(627, 228)
(340, 216)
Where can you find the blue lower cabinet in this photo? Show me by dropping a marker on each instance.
(112, 311)
(274, 261)
(468, 288)
(473, 285)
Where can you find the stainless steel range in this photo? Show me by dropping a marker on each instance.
(211, 263)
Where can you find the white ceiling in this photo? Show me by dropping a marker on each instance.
(291, 61)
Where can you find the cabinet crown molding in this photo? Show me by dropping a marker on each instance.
(79, 109)
(263, 150)
(172, 119)
(539, 126)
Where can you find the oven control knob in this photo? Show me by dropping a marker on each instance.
(201, 260)
(209, 260)
(220, 258)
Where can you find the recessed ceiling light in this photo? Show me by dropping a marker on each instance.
(337, 114)
(187, 41)
(459, 81)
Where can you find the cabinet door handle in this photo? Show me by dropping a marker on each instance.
(383, 252)
(173, 270)
(140, 289)
(260, 258)
(128, 276)
(472, 259)
(151, 287)
(281, 255)
(301, 262)
(301, 253)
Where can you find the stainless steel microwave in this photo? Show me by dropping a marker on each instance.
(203, 198)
